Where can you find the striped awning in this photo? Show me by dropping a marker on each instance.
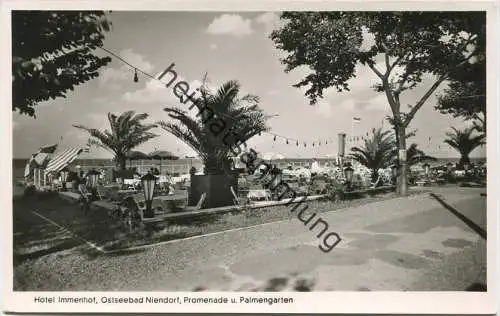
(63, 159)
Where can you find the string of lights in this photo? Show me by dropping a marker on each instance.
(324, 141)
(287, 140)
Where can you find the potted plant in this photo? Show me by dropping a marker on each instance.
(233, 114)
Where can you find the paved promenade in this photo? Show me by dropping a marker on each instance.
(404, 244)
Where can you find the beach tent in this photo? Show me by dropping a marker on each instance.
(39, 159)
(62, 159)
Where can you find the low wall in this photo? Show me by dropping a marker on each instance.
(217, 210)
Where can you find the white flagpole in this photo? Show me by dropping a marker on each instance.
(352, 137)
(39, 179)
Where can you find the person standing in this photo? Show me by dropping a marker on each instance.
(156, 172)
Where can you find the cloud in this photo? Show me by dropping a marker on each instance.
(377, 103)
(324, 109)
(230, 24)
(270, 21)
(111, 74)
(110, 77)
(157, 92)
(137, 60)
(154, 91)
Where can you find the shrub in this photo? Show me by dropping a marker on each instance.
(46, 195)
(335, 191)
(29, 191)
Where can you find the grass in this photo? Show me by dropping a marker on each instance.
(35, 237)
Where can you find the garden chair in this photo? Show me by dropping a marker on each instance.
(236, 200)
(134, 211)
(97, 193)
(376, 183)
(198, 206)
(84, 197)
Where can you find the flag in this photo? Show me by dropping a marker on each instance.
(356, 119)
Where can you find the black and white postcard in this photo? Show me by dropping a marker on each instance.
(225, 156)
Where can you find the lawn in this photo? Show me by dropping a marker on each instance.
(35, 236)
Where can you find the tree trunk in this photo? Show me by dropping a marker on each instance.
(464, 160)
(121, 163)
(402, 181)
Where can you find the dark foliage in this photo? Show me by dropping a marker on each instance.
(52, 52)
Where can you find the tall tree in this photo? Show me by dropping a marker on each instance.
(464, 142)
(408, 45)
(466, 95)
(52, 52)
(376, 152)
(127, 131)
(225, 120)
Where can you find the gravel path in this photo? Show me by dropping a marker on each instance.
(398, 244)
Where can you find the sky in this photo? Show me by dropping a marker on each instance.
(226, 46)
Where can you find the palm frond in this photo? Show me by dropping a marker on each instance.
(240, 117)
(127, 132)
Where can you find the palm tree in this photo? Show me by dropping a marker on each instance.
(415, 155)
(377, 152)
(224, 121)
(127, 132)
(479, 123)
(464, 142)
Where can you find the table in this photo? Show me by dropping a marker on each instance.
(259, 194)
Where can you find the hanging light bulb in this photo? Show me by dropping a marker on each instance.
(313, 144)
(287, 141)
(136, 78)
(326, 142)
(297, 143)
(274, 138)
(319, 144)
(305, 145)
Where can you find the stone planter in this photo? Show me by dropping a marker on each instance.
(217, 187)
